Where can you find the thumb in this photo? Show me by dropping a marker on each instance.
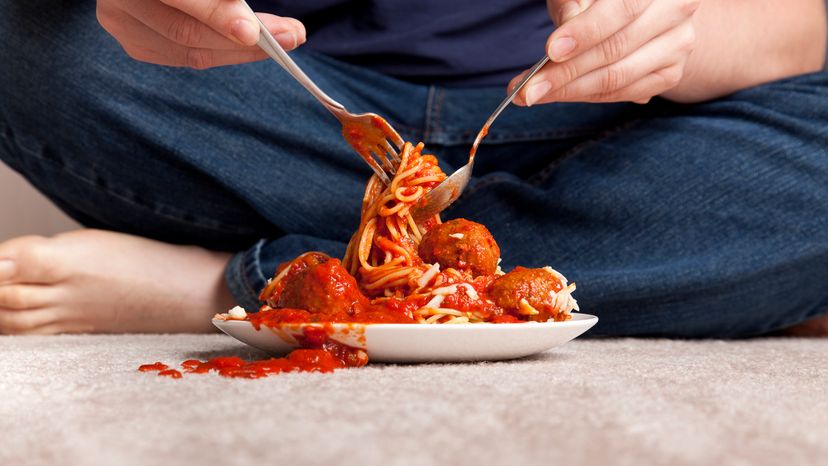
(562, 11)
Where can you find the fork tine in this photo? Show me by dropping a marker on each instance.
(395, 156)
(396, 139)
(392, 134)
(376, 168)
(379, 153)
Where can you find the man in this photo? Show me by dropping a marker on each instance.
(676, 169)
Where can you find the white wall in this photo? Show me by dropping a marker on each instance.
(24, 211)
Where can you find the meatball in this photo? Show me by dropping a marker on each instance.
(462, 245)
(325, 288)
(286, 272)
(536, 286)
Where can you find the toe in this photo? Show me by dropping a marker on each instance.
(62, 327)
(19, 322)
(29, 259)
(20, 297)
(7, 270)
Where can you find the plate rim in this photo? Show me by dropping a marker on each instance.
(582, 319)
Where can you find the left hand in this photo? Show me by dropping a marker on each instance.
(613, 51)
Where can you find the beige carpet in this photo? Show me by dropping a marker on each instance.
(79, 400)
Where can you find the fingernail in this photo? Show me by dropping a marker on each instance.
(561, 47)
(6, 269)
(300, 36)
(286, 38)
(245, 31)
(536, 91)
(569, 10)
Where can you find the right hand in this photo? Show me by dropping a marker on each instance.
(193, 33)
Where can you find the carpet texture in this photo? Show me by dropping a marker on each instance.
(79, 400)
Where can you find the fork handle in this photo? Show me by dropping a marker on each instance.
(269, 45)
(535, 68)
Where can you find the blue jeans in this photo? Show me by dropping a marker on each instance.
(706, 220)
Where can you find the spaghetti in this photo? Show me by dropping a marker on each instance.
(397, 269)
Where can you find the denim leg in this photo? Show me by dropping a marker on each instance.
(219, 158)
(706, 220)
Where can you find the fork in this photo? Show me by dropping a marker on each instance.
(445, 193)
(369, 134)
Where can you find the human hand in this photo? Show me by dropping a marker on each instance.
(193, 33)
(613, 50)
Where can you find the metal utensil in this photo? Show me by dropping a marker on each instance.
(445, 193)
(369, 134)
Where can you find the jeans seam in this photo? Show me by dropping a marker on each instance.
(436, 97)
(245, 280)
(255, 264)
(238, 274)
(428, 113)
(438, 111)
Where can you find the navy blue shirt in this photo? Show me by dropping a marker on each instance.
(446, 42)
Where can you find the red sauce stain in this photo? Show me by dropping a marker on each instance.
(319, 353)
(153, 367)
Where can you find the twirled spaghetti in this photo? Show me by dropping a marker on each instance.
(382, 254)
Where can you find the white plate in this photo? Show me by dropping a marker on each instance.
(424, 342)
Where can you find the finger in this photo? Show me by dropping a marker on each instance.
(278, 25)
(230, 18)
(656, 20)
(514, 82)
(18, 322)
(642, 90)
(659, 17)
(149, 46)
(21, 297)
(562, 11)
(176, 25)
(184, 29)
(592, 26)
(669, 48)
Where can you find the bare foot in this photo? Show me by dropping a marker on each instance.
(816, 327)
(99, 281)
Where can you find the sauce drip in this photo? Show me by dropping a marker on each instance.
(482, 134)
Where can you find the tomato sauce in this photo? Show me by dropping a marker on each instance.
(318, 353)
(483, 132)
(326, 293)
(361, 136)
(153, 367)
